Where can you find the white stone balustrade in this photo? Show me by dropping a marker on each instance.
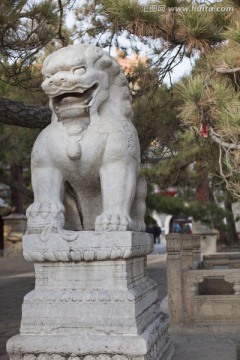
(206, 299)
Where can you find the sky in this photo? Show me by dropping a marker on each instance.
(182, 69)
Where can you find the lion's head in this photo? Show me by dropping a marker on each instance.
(82, 79)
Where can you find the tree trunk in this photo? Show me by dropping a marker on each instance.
(15, 185)
(1, 234)
(202, 183)
(19, 114)
(17, 196)
(231, 227)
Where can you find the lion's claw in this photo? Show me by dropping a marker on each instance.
(42, 215)
(115, 222)
(139, 225)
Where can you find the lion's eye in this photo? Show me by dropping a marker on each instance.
(46, 77)
(79, 71)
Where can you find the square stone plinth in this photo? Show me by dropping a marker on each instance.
(101, 305)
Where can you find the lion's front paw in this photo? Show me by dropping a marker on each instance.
(139, 225)
(41, 215)
(113, 222)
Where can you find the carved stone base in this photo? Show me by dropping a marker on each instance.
(99, 308)
(153, 343)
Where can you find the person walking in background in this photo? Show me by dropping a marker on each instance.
(150, 230)
(186, 229)
(177, 228)
(157, 233)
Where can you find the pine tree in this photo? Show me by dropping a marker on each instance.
(176, 34)
(211, 101)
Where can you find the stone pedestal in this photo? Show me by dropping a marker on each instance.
(92, 300)
(15, 226)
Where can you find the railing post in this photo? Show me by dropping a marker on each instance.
(196, 250)
(174, 278)
(187, 250)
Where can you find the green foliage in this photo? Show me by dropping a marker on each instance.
(212, 101)
(25, 29)
(16, 145)
(210, 214)
(233, 32)
(172, 3)
(174, 167)
(211, 97)
(155, 119)
(185, 204)
(110, 21)
(129, 10)
(191, 92)
(199, 30)
(167, 145)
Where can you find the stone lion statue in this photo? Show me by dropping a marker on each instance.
(85, 164)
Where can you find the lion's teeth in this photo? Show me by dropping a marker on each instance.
(87, 101)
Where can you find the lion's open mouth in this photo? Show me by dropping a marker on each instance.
(74, 99)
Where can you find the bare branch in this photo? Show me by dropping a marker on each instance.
(227, 71)
(224, 144)
(60, 35)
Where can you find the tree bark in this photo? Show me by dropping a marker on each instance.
(20, 114)
(202, 183)
(233, 237)
(17, 195)
(1, 234)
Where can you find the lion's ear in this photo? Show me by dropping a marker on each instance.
(104, 62)
(93, 53)
(54, 117)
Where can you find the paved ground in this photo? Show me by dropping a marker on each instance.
(16, 280)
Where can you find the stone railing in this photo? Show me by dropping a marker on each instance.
(211, 296)
(208, 297)
(183, 252)
(229, 260)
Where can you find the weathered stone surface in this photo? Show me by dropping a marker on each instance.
(92, 298)
(85, 164)
(230, 260)
(201, 301)
(94, 308)
(97, 347)
(86, 246)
